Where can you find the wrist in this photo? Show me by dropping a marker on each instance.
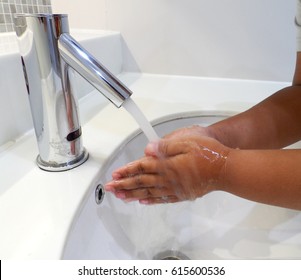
(222, 180)
(217, 156)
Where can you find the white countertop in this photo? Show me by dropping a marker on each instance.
(37, 207)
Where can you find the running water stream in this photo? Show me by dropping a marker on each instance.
(143, 249)
(140, 118)
(158, 222)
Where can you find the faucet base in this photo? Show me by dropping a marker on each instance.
(54, 167)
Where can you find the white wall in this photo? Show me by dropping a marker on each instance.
(250, 39)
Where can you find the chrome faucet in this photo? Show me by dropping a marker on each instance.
(49, 54)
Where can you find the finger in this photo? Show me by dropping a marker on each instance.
(135, 182)
(143, 193)
(146, 165)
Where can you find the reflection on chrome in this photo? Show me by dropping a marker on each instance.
(49, 56)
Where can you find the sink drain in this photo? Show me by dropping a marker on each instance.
(99, 193)
(170, 255)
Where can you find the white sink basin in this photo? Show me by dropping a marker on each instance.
(217, 226)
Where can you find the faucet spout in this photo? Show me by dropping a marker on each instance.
(92, 70)
(48, 55)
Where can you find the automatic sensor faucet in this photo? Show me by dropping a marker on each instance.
(49, 54)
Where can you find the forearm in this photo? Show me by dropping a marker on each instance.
(273, 123)
(266, 176)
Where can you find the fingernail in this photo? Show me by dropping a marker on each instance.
(116, 175)
(110, 186)
(152, 149)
